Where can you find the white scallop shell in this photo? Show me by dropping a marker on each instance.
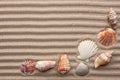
(87, 49)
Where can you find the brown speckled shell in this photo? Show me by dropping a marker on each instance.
(63, 64)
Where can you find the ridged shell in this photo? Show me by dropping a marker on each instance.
(112, 18)
(103, 59)
(45, 65)
(106, 37)
(63, 64)
(87, 49)
(82, 69)
(27, 67)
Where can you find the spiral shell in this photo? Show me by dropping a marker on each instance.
(112, 18)
(45, 65)
(103, 59)
(106, 37)
(87, 49)
(63, 64)
(27, 67)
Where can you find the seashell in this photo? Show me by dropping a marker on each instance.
(103, 59)
(28, 66)
(45, 65)
(63, 64)
(112, 18)
(106, 37)
(87, 49)
(82, 69)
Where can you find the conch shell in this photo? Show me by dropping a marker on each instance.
(45, 65)
(106, 37)
(103, 59)
(27, 67)
(112, 18)
(63, 64)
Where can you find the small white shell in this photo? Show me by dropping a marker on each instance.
(82, 69)
(103, 59)
(112, 17)
(87, 49)
(45, 65)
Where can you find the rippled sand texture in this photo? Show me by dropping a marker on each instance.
(42, 29)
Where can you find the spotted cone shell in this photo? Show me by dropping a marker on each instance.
(45, 65)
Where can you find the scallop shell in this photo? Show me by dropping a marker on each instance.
(27, 67)
(112, 18)
(82, 69)
(63, 64)
(87, 49)
(106, 37)
(45, 65)
(103, 59)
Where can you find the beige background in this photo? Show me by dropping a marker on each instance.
(42, 29)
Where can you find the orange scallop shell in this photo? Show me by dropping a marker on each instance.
(106, 37)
